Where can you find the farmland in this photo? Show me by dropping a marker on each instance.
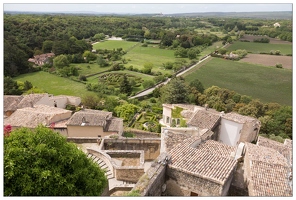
(257, 48)
(268, 84)
(139, 55)
(272, 40)
(269, 60)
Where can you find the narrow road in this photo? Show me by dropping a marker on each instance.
(146, 92)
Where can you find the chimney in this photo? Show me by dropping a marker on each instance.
(206, 106)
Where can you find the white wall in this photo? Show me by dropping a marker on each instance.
(167, 112)
(229, 132)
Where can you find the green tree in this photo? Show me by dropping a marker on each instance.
(197, 85)
(147, 68)
(11, 87)
(176, 91)
(125, 86)
(126, 111)
(41, 162)
(89, 56)
(101, 61)
(61, 61)
(191, 54)
(148, 83)
(47, 46)
(27, 85)
(99, 36)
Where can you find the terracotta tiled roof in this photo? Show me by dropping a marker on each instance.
(283, 149)
(90, 118)
(114, 124)
(238, 118)
(270, 170)
(204, 119)
(187, 114)
(265, 154)
(172, 138)
(210, 159)
(31, 117)
(30, 99)
(11, 102)
(269, 180)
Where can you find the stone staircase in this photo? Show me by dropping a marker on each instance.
(102, 165)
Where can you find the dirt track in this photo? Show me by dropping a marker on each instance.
(269, 60)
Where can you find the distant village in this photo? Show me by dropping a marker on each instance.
(217, 154)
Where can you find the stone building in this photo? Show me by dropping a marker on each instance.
(31, 117)
(230, 128)
(93, 123)
(200, 168)
(41, 59)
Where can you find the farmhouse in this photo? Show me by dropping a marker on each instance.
(93, 123)
(276, 25)
(230, 128)
(41, 59)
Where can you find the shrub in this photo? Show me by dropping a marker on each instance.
(279, 65)
(82, 77)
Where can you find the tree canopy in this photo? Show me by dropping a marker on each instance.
(42, 163)
(175, 91)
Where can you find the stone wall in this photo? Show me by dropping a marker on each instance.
(142, 134)
(250, 131)
(150, 146)
(198, 185)
(131, 174)
(152, 183)
(80, 140)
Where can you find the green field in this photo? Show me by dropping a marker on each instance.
(92, 69)
(269, 84)
(211, 49)
(138, 56)
(261, 47)
(114, 44)
(55, 85)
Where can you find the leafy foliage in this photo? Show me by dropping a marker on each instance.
(42, 163)
(11, 87)
(175, 91)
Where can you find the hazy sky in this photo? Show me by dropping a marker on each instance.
(165, 7)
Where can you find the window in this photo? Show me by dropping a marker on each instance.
(168, 120)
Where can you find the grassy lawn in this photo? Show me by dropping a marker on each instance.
(269, 84)
(114, 44)
(93, 68)
(261, 47)
(55, 85)
(141, 55)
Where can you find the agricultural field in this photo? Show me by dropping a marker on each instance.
(269, 84)
(114, 44)
(53, 84)
(269, 60)
(271, 40)
(257, 48)
(139, 55)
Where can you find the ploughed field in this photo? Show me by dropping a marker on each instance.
(269, 60)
